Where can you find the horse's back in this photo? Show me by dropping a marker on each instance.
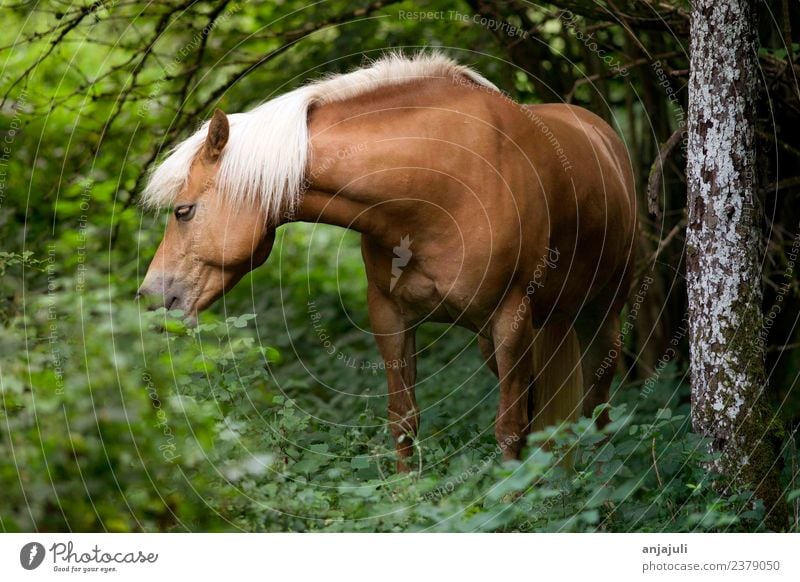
(593, 129)
(583, 131)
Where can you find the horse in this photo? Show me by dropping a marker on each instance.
(514, 221)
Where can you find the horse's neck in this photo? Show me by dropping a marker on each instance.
(346, 178)
(337, 209)
(403, 159)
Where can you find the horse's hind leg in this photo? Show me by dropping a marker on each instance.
(512, 337)
(487, 352)
(598, 332)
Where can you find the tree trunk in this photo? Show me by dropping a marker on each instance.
(729, 404)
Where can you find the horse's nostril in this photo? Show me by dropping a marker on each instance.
(160, 290)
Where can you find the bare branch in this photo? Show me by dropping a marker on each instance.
(657, 171)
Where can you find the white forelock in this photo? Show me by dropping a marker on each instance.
(267, 152)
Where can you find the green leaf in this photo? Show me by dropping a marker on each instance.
(360, 462)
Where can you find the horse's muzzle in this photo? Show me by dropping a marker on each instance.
(161, 290)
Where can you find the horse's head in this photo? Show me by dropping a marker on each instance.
(209, 244)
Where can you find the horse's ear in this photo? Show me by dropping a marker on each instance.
(218, 132)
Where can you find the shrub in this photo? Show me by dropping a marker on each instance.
(122, 420)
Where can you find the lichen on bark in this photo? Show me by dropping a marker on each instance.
(723, 258)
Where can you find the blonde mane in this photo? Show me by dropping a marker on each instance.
(267, 152)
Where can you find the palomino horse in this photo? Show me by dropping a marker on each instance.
(522, 220)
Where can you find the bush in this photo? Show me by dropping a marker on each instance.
(122, 420)
(101, 424)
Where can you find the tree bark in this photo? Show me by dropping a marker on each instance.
(729, 403)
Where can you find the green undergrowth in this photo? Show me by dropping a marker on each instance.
(118, 419)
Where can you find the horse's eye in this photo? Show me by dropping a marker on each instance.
(184, 212)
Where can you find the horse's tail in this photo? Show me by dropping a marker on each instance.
(558, 379)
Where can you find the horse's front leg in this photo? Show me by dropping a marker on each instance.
(512, 332)
(396, 339)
